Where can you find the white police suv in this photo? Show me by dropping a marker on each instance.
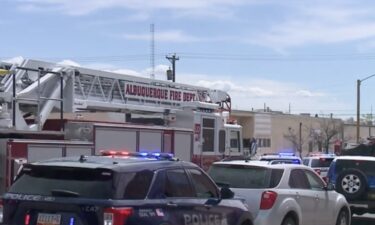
(282, 194)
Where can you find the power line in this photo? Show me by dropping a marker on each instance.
(220, 56)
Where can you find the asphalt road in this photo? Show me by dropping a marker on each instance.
(366, 219)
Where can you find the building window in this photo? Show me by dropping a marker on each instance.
(264, 142)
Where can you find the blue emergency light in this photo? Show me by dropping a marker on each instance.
(153, 155)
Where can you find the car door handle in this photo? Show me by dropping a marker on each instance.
(172, 204)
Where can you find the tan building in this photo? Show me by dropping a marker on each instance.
(279, 132)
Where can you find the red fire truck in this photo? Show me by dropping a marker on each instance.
(52, 110)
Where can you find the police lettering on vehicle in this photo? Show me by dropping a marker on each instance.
(205, 219)
(28, 197)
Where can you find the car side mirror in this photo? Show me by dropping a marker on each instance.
(226, 193)
(329, 187)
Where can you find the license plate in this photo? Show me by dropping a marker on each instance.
(48, 219)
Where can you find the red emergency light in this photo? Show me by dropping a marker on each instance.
(117, 153)
(114, 153)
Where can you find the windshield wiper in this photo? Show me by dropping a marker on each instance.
(64, 193)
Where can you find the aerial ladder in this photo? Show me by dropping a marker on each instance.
(30, 91)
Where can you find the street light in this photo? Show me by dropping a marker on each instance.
(358, 101)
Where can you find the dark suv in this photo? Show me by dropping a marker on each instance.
(117, 189)
(354, 177)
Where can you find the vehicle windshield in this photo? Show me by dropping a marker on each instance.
(54, 181)
(241, 176)
(82, 182)
(321, 162)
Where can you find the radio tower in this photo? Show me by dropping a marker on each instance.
(152, 56)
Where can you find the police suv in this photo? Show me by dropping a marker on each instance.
(119, 188)
(320, 162)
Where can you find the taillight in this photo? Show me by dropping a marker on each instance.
(27, 219)
(116, 216)
(268, 199)
(318, 171)
(1, 211)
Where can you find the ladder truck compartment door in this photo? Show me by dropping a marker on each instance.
(115, 139)
(183, 145)
(77, 151)
(41, 152)
(150, 141)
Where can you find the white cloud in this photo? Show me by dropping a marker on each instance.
(176, 36)
(258, 88)
(126, 72)
(255, 93)
(163, 36)
(302, 33)
(367, 46)
(82, 7)
(111, 68)
(15, 60)
(160, 72)
(319, 25)
(306, 93)
(69, 62)
(229, 86)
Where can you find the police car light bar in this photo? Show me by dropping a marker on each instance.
(323, 154)
(287, 154)
(156, 155)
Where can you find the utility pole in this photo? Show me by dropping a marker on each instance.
(359, 103)
(152, 51)
(300, 139)
(371, 124)
(173, 59)
(358, 108)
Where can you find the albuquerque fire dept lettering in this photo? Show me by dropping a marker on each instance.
(145, 91)
(137, 90)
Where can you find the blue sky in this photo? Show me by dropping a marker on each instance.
(306, 54)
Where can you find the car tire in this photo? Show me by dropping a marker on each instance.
(352, 184)
(289, 221)
(343, 217)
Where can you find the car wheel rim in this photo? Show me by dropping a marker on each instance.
(351, 183)
(343, 220)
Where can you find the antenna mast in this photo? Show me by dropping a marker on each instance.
(152, 56)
